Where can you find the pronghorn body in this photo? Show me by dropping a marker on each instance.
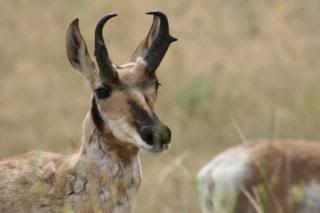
(263, 176)
(104, 176)
(96, 179)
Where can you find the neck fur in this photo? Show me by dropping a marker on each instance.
(106, 171)
(93, 137)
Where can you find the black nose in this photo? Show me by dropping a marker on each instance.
(152, 135)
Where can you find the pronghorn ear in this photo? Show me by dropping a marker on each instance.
(78, 54)
(141, 50)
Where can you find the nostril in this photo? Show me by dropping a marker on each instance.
(149, 138)
(147, 135)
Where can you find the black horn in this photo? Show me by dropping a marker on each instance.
(107, 72)
(160, 39)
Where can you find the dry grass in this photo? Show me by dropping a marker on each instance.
(246, 62)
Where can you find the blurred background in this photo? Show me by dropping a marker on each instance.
(242, 69)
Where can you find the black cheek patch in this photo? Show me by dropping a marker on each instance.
(96, 116)
(141, 116)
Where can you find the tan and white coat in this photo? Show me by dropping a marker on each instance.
(104, 176)
(97, 179)
(263, 176)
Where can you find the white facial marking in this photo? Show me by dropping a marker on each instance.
(122, 130)
(222, 178)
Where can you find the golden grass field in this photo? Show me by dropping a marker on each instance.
(241, 69)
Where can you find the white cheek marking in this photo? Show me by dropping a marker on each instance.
(124, 132)
(120, 129)
(222, 178)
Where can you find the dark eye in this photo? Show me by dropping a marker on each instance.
(103, 92)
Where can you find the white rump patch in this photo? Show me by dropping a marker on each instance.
(311, 198)
(221, 180)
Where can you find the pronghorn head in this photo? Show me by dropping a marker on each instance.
(124, 95)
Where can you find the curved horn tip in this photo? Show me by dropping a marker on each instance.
(100, 26)
(156, 13)
(104, 19)
(110, 15)
(164, 18)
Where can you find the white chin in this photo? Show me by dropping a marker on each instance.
(123, 131)
(150, 148)
(155, 149)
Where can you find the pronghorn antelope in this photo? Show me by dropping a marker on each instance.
(263, 177)
(105, 174)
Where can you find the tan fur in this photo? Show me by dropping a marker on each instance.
(132, 75)
(278, 177)
(96, 179)
(103, 177)
(105, 174)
